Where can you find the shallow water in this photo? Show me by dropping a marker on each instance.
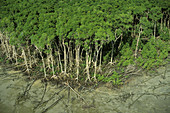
(147, 93)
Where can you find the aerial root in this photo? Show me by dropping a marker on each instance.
(66, 83)
(41, 101)
(45, 102)
(52, 105)
(26, 92)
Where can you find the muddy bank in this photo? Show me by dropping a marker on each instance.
(147, 93)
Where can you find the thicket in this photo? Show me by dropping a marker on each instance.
(77, 39)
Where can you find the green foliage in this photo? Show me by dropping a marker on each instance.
(7, 61)
(126, 56)
(2, 59)
(20, 60)
(153, 54)
(115, 78)
(164, 34)
(140, 44)
(149, 50)
(106, 57)
(90, 25)
(155, 13)
(147, 27)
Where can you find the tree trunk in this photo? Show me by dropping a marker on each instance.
(96, 60)
(120, 41)
(168, 22)
(70, 56)
(29, 54)
(15, 55)
(77, 60)
(87, 66)
(25, 59)
(48, 60)
(7, 48)
(165, 20)
(59, 58)
(52, 61)
(137, 43)
(100, 64)
(111, 60)
(3, 45)
(90, 57)
(161, 23)
(155, 30)
(45, 75)
(65, 58)
(60, 61)
(34, 57)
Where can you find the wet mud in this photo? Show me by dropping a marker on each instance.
(148, 92)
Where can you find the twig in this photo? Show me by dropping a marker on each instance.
(45, 88)
(136, 100)
(68, 94)
(50, 98)
(75, 92)
(28, 87)
(53, 104)
(164, 72)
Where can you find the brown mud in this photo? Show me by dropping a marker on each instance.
(148, 92)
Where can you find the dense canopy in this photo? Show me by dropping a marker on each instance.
(77, 38)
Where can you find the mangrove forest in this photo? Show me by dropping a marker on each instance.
(84, 41)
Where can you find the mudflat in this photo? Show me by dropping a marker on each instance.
(147, 93)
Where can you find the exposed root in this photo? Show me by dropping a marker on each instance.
(26, 92)
(136, 100)
(66, 83)
(52, 105)
(87, 79)
(45, 88)
(45, 102)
